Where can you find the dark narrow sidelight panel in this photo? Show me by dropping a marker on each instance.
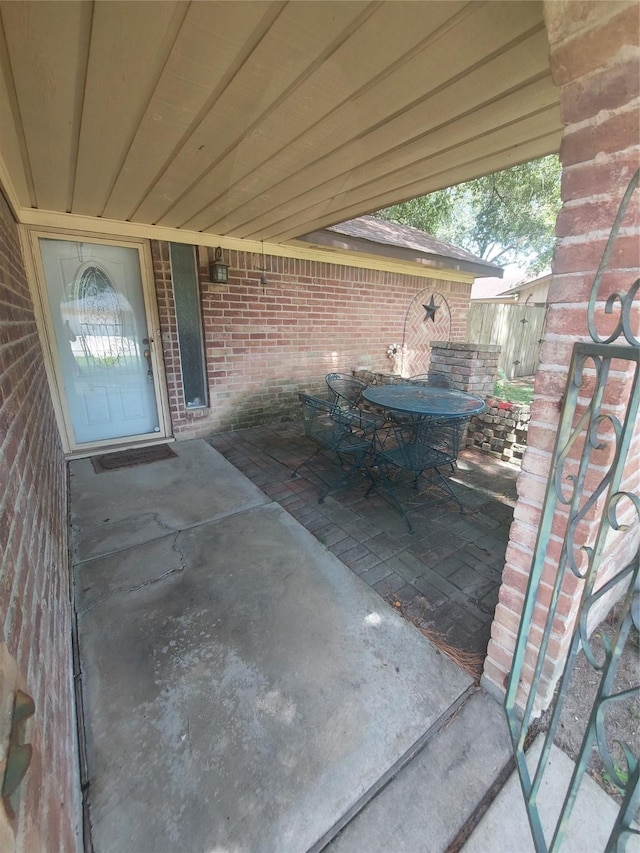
(186, 292)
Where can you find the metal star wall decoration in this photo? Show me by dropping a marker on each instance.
(431, 309)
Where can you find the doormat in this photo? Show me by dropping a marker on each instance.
(130, 458)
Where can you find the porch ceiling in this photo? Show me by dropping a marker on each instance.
(265, 120)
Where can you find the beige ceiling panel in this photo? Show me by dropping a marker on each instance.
(505, 115)
(531, 149)
(302, 35)
(395, 143)
(382, 40)
(497, 160)
(47, 48)
(400, 184)
(484, 29)
(210, 46)
(14, 162)
(122, 73)
(264, 118)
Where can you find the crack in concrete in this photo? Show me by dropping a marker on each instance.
(129, 589)
(78, 540)
(163, 524)
(175, 547)
(78, 526)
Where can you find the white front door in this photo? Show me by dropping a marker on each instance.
(101, 338)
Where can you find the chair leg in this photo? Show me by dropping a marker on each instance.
(390, 492)
(305, 462)
(358, 464)
(447, 487)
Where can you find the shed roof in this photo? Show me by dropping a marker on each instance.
(490, 288)
(516, 290)
(527, 286)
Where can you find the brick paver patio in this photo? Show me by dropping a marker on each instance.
(445, 576)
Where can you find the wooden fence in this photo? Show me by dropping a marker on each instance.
(518, 329)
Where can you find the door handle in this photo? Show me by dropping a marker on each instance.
(147, 354)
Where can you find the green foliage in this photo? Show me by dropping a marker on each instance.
(430, 213)
(507, 217)
(504, 390)
(621, 779)
(514, 394)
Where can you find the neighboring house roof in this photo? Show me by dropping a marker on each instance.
(493, 289)
(487, 288)
(537, 289)
(402, 242)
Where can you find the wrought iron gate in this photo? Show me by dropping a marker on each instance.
(591, 478)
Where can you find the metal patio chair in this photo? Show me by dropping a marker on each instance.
(345, 392)
(417, 445)
(434, 380)
(346, 436)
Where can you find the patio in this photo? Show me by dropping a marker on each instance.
(242, 690)
(445, 576)
(206, 137)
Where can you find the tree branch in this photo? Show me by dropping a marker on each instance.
(501, 253)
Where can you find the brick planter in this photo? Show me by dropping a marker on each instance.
(468, 366)
(371, 377)
(501, 430)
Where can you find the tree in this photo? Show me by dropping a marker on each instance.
(507, 217)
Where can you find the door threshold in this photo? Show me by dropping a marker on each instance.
(114, 448)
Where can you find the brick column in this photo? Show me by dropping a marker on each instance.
(469, 367)
(594, 61)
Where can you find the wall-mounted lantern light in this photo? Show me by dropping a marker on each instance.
(218, 271)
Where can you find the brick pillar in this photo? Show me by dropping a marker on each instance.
(594, 62)
(469, 367)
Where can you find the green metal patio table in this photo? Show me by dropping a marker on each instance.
(426, 425)
(424, 400)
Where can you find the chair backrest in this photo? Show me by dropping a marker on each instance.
(435, 380)
(345, 391)
(418, 443)
(335, 429)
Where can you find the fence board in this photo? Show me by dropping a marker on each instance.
(518, 329)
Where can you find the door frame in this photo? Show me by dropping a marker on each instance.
(29, 237)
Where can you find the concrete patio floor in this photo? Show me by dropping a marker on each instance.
(243, 690)
(446, 575)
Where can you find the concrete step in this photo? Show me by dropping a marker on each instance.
(505, 825)
(426, 805)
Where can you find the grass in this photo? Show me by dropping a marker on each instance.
(512, 392)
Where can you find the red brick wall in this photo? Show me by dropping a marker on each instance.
(594, 61)
(34, 581)
(265, 342)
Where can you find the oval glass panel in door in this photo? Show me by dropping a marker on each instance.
(99, 320)
(104, 321)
